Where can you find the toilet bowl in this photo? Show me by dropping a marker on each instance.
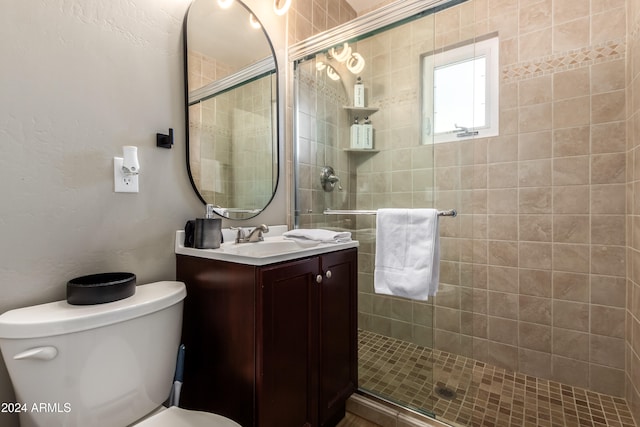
(104, 365)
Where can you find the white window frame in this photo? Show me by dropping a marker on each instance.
(487, 47)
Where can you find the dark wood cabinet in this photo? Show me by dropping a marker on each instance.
(273, 345)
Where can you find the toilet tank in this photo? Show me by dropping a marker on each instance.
(97, 365)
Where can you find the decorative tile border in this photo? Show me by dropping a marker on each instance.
(605, 52)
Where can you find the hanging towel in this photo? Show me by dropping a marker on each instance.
(318, 235)
(407, 262)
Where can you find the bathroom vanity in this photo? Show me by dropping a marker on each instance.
(270, 341)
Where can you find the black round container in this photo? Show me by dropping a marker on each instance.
(100, 288)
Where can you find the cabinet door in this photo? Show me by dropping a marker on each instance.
(338, 333)
(287, 346)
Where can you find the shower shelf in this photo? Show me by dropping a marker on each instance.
(365, 111)
(360, 150)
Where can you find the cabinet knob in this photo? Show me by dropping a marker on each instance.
(319, 278)
(328, 274)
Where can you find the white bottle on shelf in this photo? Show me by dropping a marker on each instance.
(356, 134)
(366, 134)
(358, 93)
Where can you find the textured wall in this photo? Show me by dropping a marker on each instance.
(80, 79)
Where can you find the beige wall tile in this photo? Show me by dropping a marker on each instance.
(571, 315)
(502, 355)
(571, 344)
(535, 282)
(609, 25)
(606, 380)
(607, 321)
(573, 141)
(535, 200)
(535, 309)
(535, 16)
(534, 173)
(607, 351)
(535, 228)
(502, 330)
(608, 260)
(608, 229)
(571, 83)
(534, 145)
(571, 286)
(570, 371)
(571, 258)
(609, 137)
(571, 170)
(607, 290)
(572, 199)
(573, 112)
(608, 76)
(608, 107)
(503, 304)
(535, 118)
(608, 199)
(534, 363)
(535, 255)
(568, 10)
(571, 228)
(534, 44)
(571, 35)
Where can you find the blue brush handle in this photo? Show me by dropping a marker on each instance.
(180, 364)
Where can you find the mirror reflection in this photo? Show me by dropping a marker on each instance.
(232, 108)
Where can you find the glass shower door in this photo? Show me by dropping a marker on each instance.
(340, 184)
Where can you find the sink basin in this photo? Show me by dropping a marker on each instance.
(273, 249)
(269, 247)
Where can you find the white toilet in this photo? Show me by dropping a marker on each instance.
(108, 365)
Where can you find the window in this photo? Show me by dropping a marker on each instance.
(460, 92)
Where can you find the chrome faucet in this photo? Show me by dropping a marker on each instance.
(254, 236)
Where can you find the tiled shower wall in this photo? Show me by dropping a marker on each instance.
(533, 269)
(633, 209)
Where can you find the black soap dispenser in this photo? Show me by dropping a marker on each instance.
(208, 231)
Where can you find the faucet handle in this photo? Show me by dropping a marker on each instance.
(240, 235)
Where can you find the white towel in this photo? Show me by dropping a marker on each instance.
(407, 260)
(318, 235)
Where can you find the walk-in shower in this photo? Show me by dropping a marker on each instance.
(504, 112)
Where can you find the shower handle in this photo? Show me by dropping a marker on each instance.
(328, 179)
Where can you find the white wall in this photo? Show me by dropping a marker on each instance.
(78, 80)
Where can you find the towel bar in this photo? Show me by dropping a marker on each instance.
(450, 212)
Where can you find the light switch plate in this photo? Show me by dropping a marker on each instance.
(123, 183)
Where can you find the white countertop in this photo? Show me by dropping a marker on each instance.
(261, 253)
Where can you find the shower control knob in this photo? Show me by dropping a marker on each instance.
(328, 274)
(319, 278)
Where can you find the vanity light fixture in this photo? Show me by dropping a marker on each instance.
(225, 4)
(280, 7)
(254, 22)
(331, 72)
(343, 55)
(355, 63)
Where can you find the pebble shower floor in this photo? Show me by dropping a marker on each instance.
(484, 395)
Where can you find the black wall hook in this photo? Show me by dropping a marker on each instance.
(165, 141)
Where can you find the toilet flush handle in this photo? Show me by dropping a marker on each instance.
(40, 353)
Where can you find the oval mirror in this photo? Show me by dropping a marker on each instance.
(232, 108)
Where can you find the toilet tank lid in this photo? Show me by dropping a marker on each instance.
(60, 317)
